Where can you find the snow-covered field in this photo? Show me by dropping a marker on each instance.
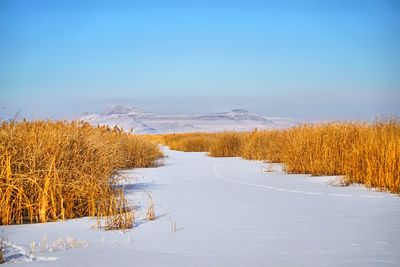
(228, 212)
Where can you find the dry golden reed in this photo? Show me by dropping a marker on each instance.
(2, 249)
(375, 159)
(263, 145)
(57, 170)
(365, 153)
(188, 142)
(227, 144)
(150, 214)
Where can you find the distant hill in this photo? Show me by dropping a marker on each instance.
(142, 122)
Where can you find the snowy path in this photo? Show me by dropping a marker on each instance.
(229, 213)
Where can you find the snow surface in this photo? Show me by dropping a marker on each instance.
(146, 122)
(228, 212)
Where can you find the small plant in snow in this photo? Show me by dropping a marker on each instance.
(59, 244)
(150, 215)
(2, 251)
(121, 221)
(69, 243)
(173, 226)
(268, 168)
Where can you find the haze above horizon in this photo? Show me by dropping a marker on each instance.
(300, 59)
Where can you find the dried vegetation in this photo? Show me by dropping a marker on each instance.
(58, 170)
(365, 153)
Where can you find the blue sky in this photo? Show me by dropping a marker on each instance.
(302, 59)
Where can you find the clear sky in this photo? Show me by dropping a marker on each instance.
(302, 59)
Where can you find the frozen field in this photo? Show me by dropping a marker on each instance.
(228, 212)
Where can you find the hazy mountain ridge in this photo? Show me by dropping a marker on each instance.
(142, 122)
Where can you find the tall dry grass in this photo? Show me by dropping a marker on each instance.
(375, 159)
(365, 153)
(188, 142)
(57, 170)
(227, 144)
(263, 145)
(320, 149)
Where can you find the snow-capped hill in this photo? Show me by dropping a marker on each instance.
(120, 109)
(88, 117)
(124, 117)
(236, 112)
(239, 115)
(140, 121)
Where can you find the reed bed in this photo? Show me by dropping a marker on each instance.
(188, 142)
(227, 144)
(364, 153)
(264, 145)
(58, 170)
